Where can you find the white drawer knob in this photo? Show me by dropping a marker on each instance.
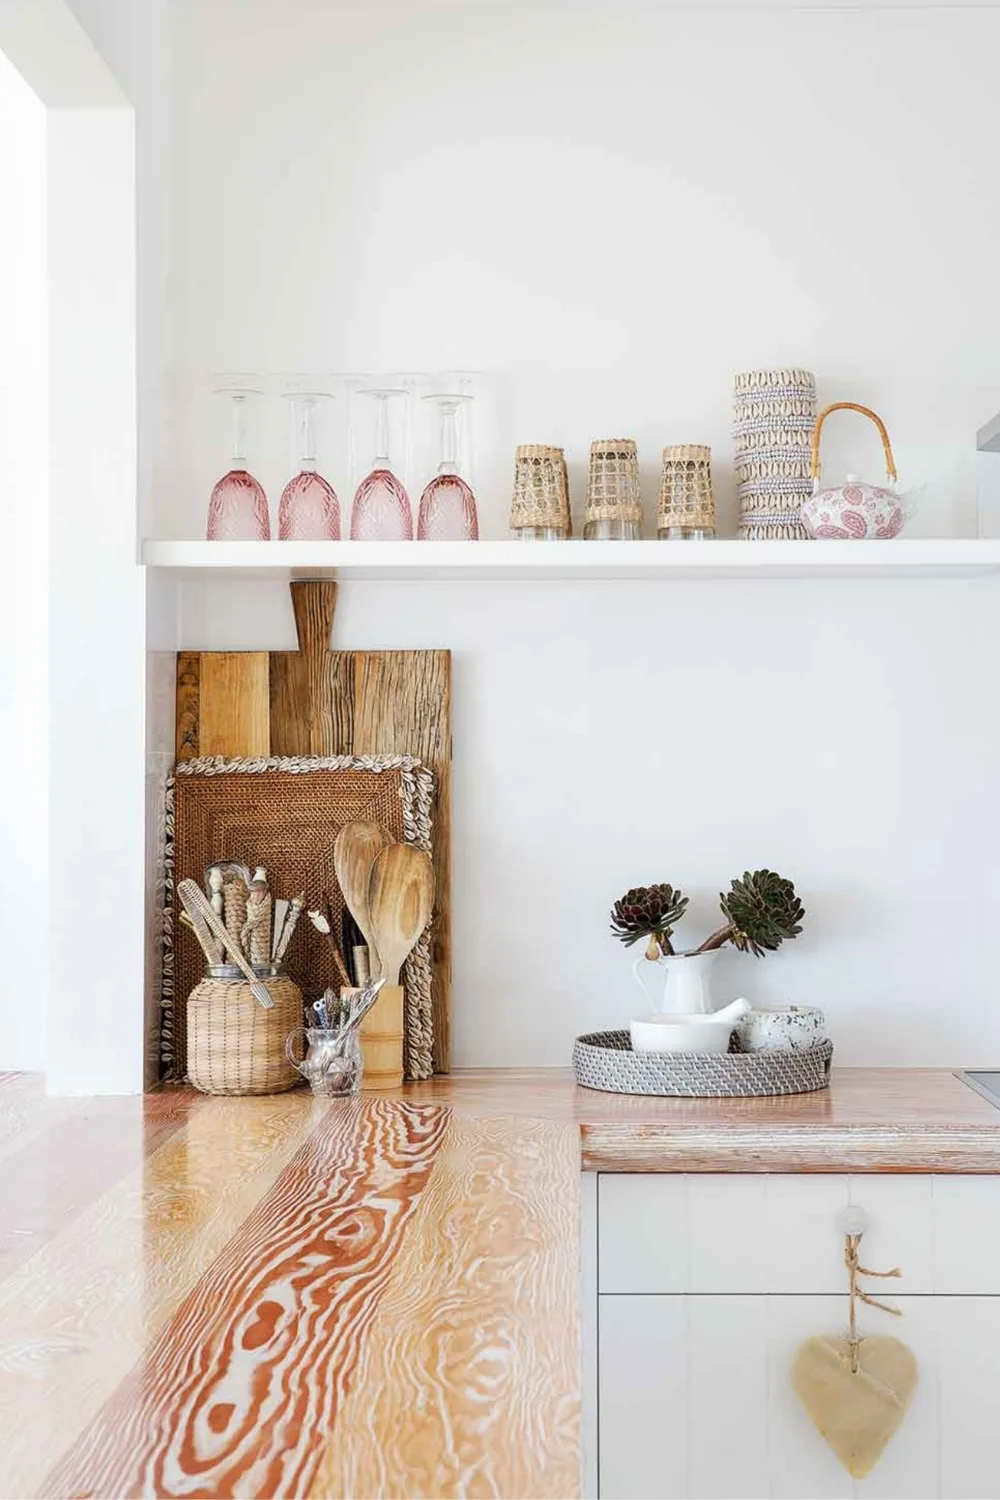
(852, 1220)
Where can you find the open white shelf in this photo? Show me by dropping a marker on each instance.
(900, 558)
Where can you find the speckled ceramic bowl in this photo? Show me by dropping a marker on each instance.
(793, 1028)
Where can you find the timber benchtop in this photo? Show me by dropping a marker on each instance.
(286, 1296)
(868, 1120)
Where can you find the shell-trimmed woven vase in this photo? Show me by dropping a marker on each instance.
(614, 496)
(540, 508)
(774, 412)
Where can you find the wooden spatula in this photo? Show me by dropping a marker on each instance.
(354, 851)
(400, 900)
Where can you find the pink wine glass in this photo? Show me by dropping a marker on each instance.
(381, 511)
(237, 507)
(308, 510)
(448, 506)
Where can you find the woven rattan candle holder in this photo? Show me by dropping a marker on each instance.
(687, 504)
(614, 498)
(774, 412)
(540, 508)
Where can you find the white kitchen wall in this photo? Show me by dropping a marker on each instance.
(23, 598)
(610, 208)
(134, 42)
(94, 595)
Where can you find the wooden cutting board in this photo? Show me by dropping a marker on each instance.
(316, 701)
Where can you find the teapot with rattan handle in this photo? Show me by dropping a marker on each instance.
(855, 510)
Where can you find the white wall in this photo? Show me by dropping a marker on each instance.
(609, 206)
(610, 209)
(134, 42)
(23, 595)
(96, 595)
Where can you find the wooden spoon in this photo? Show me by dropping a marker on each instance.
(400, 899)
(354, 852)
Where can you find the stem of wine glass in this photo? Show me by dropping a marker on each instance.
(239, 431)
(305, 410)
(449, 437)
(381, 431)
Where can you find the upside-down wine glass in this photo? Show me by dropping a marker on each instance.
(447, 505)
(237, 508)
(381, 511)
(308, 510)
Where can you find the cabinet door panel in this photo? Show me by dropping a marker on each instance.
(642, 1398)
(967, 1237)
(900, 1228)
(643, 1232)
(696, 1400)
(727, 1398)
(969, 1378)
(712, 1233)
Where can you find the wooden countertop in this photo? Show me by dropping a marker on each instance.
(373, 1297)
(868, 1120)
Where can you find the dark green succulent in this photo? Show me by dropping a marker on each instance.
(762, 910)
(648, 911)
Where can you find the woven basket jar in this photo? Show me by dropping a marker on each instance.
(540, 508)
(614, 497)
(774, 412)
(687, 504)
(234, 1045)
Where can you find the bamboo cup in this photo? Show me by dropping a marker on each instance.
(382, 1041)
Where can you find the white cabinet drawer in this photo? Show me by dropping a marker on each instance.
(672, 1233)
(696, 1400)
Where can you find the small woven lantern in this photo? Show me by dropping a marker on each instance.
(539, 511)
(614, 500)
(687, 505)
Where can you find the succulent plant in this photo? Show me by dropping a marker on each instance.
(648, 911)
(762, 910)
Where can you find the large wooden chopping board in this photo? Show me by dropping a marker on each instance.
(316, 701)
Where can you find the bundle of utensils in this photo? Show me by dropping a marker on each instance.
(342, 1013)
(237, 920)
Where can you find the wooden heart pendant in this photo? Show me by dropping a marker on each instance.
(857, 1412)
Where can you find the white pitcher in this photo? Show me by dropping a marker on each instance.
(685, 989)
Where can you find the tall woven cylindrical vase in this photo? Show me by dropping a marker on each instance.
(774, 412)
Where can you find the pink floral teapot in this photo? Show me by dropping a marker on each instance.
(854, 510)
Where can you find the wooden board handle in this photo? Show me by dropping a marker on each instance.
(314, 601)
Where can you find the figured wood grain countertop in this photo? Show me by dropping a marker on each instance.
(868, 1120)
(378, 1297)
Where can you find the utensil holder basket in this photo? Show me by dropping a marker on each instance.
(382, 1042)
(234, 1045)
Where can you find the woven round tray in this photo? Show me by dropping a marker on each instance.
(605, 1060)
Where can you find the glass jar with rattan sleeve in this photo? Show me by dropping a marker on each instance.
(539, 509)
(687, 504)
(614, 496)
